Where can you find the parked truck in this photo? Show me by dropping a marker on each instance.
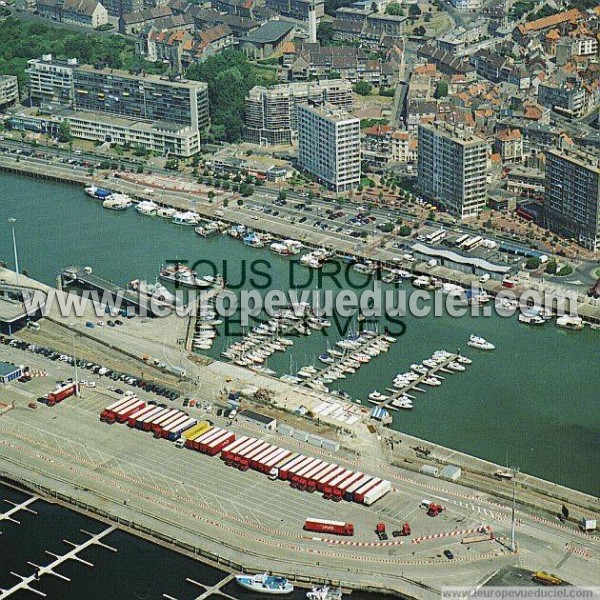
(402, 532)
(62, 392)
(323, 526)
(381, 532)
(587, 524)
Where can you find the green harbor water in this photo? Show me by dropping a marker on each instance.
(533, 402)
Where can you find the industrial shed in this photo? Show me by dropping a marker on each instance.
(9, 372)
(257, 419)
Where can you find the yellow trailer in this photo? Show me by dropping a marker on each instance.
(197, 430)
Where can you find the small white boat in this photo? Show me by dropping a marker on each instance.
(480, 343)
(432, 381)
(531, 318)
(570, 322)
(324, 593)
(455, 366)
(165, 213)
(147, 207)
(419, 369)
(188, 218)
(402, 403)
(463, 360)
(265, 584)
(377, 396)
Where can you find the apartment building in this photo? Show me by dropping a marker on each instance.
(9, 90)
(297, 9)
(569, 99)
(509, 144)
(84, 87)
(572, 202)
(122, 107)
(141, 96)
(50, 81)
(272, 113)
(452, 166)
(116, 8)
(329, 146)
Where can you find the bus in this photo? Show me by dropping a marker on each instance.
(435, 237)
(472, 243)
(461, 240)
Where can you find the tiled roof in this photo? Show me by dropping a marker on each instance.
(551, 21)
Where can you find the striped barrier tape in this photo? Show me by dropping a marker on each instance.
(436, 536)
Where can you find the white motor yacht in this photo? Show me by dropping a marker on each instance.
(480, 343)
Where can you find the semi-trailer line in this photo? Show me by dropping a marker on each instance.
(306, 473)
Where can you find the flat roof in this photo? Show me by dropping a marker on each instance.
(269, 32)
(256, 416)
(7, 369)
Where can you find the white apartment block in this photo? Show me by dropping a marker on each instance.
(162, 138)
(272, 113)
(9, 90)
(452, 168)
(329, 146)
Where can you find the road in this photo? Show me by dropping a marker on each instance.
(245, 517)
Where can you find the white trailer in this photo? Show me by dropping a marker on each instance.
(379, 491)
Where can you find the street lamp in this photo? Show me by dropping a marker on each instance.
(513, 545)
(12, 224)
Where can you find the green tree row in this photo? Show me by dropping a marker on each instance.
(230, 76)
(21, 41)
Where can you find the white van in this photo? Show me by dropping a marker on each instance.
(485, 277)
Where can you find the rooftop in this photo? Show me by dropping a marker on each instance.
(7, 369)
(270, 32)
(551, 21)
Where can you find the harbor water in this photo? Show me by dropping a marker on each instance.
(533, 402)
(138, 570)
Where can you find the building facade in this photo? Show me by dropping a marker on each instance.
(509, 144)
(50, 81)
(329, 146)
(569, 100)
(9, 90)
(87, 13)
(297, 9)
(572, 202)
(141, 96)
(118, 92)
(452, 168)
(272, 113)
(116, 8)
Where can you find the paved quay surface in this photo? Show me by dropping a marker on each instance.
(244, 517)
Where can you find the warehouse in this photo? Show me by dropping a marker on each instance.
(258, 419)
(9, 372)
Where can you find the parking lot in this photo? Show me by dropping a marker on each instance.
(194, 495)
(72, 429)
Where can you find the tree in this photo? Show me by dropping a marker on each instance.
(363, 88)
(325, 32)
(64, 132)
(240, 202)
(414, 11)
(551, 267)
(441, 90)
(211, 195)
(420, 31)
(533, 262)
(394, 9)
(282, 195)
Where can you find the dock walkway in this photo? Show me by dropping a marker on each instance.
(335, 365)
(414, 385)
(25, 583)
